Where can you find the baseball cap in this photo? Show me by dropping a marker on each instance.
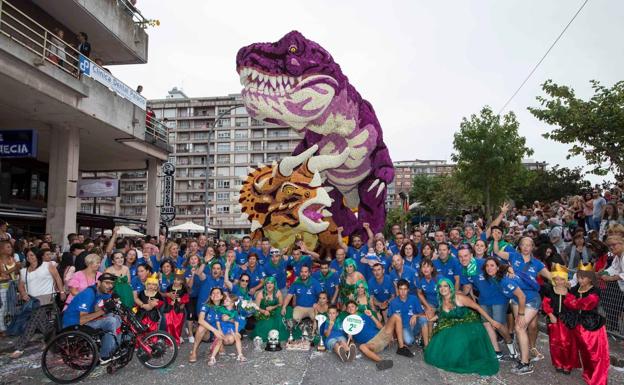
(107, 277)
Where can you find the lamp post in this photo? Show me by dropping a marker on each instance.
(211, 129)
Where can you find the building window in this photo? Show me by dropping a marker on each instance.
(241, 122)
(223, 147)
(223, 171)
(240, 171)
(223, 183)
(223, 159)
(223, 197)
(202, 111)
(240, 158)
(257, 158)
(184, 112)
(223, 209)
(200, 135)
(169, 113)
(222, 110)
(171, 124)
(223, 135)
(240, 111)
(240, 134)
(199, 148)
(255, 122)
(223, 122)
(241, 147)
(183, 124)
(256, 146)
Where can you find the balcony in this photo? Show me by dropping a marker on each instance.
(116, 28)
(49, 78)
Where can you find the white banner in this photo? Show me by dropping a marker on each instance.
(99, 74)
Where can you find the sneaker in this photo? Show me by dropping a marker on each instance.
(522, 369)
(536, 355)
(191, 340)
(384, 364)
(405, 352)
(507, 358)
(105, 361)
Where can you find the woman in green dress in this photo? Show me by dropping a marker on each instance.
(269, 316)
(122, 286)
(347, 288)
(460, 343)
(363, 299)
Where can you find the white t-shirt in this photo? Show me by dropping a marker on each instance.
(38, 282)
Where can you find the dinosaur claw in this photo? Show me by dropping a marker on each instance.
(382, 186)
(372, 186)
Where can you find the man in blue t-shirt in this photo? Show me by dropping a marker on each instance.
(276, 268)
(375, 336)
(297, 260)
(408, 307)
(305, 291)
(447, 265)
(92, 307)
(328, 281)
(470, 267)
(381, 289)
(401, 271)
(357, 250)
(337, 264)
(243, 252)
(214, 280)
(264, 252)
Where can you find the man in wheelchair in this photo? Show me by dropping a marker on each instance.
(92, 307)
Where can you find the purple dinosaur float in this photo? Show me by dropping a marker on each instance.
(295, 82)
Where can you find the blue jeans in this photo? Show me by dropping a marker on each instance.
(110, 340)
(498, 312)
(409, 333)
(595, 223)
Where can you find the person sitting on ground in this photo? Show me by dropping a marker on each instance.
(334, 337)
(228, 324)
(408, 307)
(374, 337)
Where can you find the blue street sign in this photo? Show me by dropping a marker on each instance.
(18, 144)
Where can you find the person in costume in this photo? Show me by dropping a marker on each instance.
(347, 289)
(122, 288)
(228, 325)
(363, 298)
(177, 296)
(460, 343)
(334, 337)
(563, 350)
(427, 294)
(322, 304)
(207, 321)
(149, 301)
(268, 317)
(588, 326)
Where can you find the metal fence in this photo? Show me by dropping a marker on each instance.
(612, 307)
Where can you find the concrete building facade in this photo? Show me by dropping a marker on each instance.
(84, 119)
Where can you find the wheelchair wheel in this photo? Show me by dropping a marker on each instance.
(162, 350)
(69, 357)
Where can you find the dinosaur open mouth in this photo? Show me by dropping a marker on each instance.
(259, 82)
(314, 212)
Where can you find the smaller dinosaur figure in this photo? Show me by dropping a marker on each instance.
(286, 200)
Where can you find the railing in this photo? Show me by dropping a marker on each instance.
(156, 129)
(22, 29)
(138, 18)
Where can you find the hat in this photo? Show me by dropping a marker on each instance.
(179, 274)
(152, 279)
(559, 271)
(107, 277)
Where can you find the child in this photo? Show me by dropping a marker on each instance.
(563, 351)
(177, 296)
(148, 302)
(334, 337)
(227, 324)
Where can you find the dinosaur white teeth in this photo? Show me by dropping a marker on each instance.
(299, 78)
(254, 75)
(273, 81)
(279, 79)
(287, 88)
(291, 80)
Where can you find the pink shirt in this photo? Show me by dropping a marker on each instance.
(80, 281)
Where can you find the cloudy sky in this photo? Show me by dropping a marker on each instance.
(422, 64)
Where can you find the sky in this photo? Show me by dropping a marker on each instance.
(422, 64)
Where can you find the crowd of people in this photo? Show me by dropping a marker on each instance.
(469, 295)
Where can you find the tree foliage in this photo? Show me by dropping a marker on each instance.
(549, 185)
(594, 128)
(397, 216)
(440, 195)
(489, 153)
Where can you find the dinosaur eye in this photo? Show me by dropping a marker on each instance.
(307, 194)
(292, 49)
(288, 190)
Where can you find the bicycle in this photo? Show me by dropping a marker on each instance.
(74, 353)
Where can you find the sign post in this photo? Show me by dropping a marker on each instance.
(167, 210)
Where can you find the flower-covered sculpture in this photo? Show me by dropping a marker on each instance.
(295, 82)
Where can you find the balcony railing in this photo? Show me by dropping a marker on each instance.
(156, 129)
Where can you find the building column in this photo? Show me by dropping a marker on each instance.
(62, 183)
(153, 192)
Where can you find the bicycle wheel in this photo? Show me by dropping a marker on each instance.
(69, 357)
(163, 350)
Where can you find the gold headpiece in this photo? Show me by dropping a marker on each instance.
(180, 272)
(585, 267)
(152, 279)
(559, 271)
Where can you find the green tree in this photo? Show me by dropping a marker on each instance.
(489, 153)
(395, 216)
(440, 195)
(549, 184)
(594, 128)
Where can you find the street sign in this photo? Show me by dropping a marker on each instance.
(18, 144)
(167, 210)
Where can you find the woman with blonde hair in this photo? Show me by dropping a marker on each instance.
(85, 277)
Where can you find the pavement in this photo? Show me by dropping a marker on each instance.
(289, 367)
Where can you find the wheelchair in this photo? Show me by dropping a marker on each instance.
(74, 352)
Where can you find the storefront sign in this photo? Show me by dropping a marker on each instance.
(98, 188)
(18, 144)
(99, 74)
(167, 210)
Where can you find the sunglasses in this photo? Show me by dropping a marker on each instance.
(244, 280)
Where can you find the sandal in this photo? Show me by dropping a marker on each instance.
(536, 355)
(352, 353)
(342, 354)
(16, 354)
(241, 358)
(193, 357)
(212, 361)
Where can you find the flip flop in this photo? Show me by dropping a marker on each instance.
(193, 358)
(385, 364)
(352, 353)
(342, 354)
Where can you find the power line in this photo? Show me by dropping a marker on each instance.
(543, 57)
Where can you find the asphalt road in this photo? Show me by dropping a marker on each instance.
(288, 367)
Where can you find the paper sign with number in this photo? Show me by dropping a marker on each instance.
(352, 324)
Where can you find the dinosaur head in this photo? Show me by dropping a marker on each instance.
(290, 194)
(290, 82)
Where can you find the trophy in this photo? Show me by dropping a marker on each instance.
(320, 319)
(273, 344)
(307, 330)
(290, 325)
